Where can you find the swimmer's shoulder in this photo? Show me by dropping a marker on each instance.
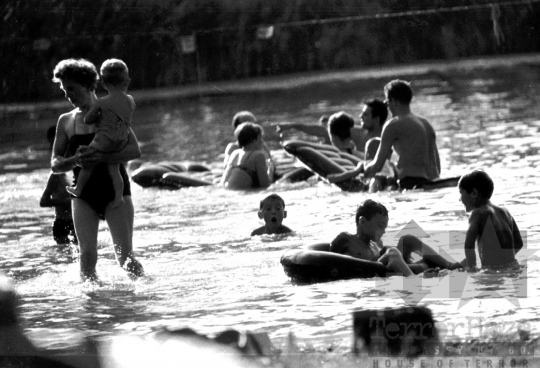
(259, 231)
(284, 230)
(341, 242)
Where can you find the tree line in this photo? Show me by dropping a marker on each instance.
(308, 35)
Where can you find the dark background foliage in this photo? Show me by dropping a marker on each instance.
(308, 36)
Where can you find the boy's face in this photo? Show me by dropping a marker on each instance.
(374, 228)
(272, 212)
(467, 199)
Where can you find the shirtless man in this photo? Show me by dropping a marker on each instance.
(411, 136)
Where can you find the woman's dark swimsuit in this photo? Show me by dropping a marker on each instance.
(252, 174)
(98, 191)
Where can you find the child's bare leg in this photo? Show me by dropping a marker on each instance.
(83, 177)
(118, 184)
(411, 244)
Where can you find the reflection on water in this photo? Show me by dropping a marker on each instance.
(206, 272)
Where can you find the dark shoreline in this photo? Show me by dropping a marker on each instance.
(296, 80)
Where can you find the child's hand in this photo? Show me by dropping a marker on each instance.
(455, 266)
(87, 157)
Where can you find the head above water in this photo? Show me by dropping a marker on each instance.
(272, 197)
(370, 208)
(340, 125)
(243, 117)
(399, 91)
(272, 210)
(247, 133)
(479, 180)
(80, 71)
(378, 110)
(114, 72)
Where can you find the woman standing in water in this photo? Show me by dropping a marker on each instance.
(78, 80)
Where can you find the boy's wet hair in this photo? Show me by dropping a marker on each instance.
(341, 124)
(479, 180)
(114, 72)
(378, 110)
(370, 208)
(246, 133)
(243, 117)
(272, 197)
(400, 91)
(80, 71)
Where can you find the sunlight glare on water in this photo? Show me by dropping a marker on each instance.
(206, 272)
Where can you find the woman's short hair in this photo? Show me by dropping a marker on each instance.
(114, 72)
(340, 125)
(246, 133)
(370, 208)
(81, 71)
(243, 117)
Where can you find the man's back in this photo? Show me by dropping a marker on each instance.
(414, 140)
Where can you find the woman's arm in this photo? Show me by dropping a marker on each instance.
(59, 163)
(131, 151)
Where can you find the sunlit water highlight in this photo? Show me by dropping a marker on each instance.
(205, 271)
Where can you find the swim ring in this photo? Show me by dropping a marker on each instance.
(151, 174)
(315, 263)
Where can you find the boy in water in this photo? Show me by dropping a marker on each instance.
(492, 227)
(371, 222)
(272, 211)
(112, 129)
(55, 195)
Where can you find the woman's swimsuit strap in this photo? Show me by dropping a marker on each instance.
(98, 191)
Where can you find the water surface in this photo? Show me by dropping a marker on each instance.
(205, 271)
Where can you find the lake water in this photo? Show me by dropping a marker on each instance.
(203, 269)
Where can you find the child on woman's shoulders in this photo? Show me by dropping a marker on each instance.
(272, 211)
(490, 226)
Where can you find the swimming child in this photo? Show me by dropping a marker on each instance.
(371, 222)
(247, 166)
(55, 195)
(272, 211)
(490, 226)
(112, 128)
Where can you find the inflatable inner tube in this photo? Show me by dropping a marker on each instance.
(316, 263)
(324, 160)
(151, 174)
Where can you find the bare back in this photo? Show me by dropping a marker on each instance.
(413, 139)
(496, 233)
